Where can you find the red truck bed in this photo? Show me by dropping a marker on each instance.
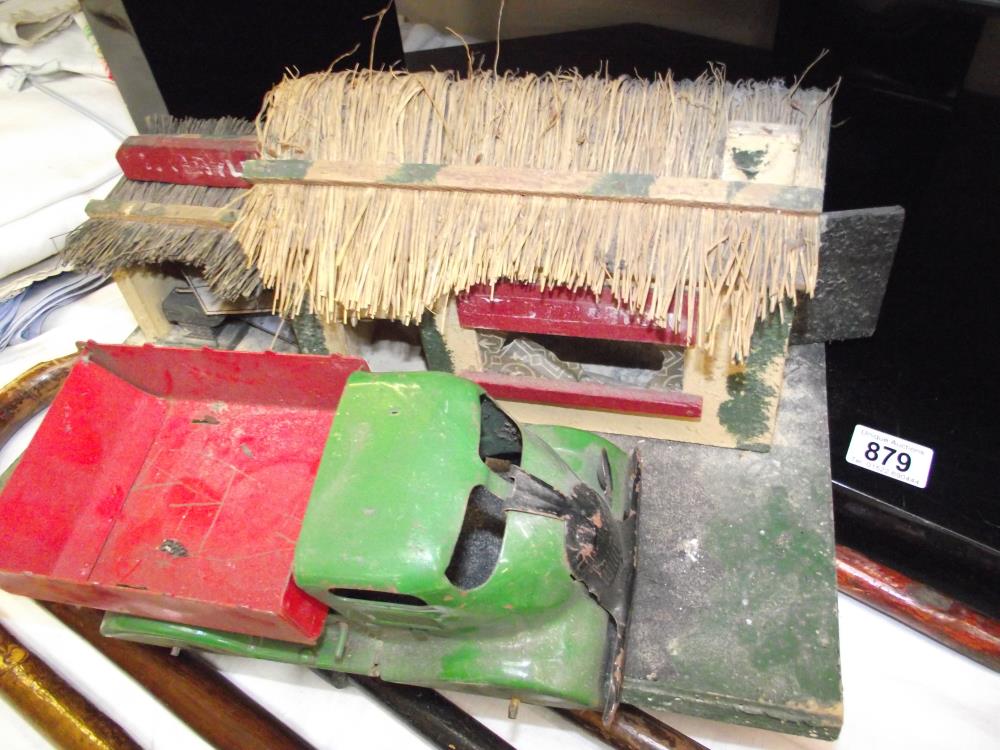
(171, 483)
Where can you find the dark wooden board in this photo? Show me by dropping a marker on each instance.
(735, 609)
(855, 257)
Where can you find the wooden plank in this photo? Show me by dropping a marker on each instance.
(348, 339)
(587, 395)
(187, 159)
(746, 629)
(130, 69)
(232, 162)
(162, 213)
(525, 308)
(584, 185)
(856, 252)
(741, 400)
(144, 289)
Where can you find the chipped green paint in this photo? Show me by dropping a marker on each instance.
(787, 198)
(413, 173)
(275, 169)
(746, 414)
(749, 161)
(565, 668)
(771, 537)
(436, 352)
(776, 635)
(759, 714)
(799, 199)
(617, 184)
(613, 185)
(309, 334)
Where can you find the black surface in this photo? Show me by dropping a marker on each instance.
(630, 49)
(218, 58)
(904, 134)
(910, 135)
(857, 249)
(930, 373)
(899, 49)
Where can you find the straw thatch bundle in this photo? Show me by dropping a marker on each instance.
(393, 253)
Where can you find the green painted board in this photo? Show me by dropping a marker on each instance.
(735, 609)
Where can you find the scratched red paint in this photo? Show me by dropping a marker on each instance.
(186, 159)
(923, 609)
(616, 398)
(525, 308)
(191, 511)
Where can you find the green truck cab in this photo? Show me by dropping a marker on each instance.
(457, 549)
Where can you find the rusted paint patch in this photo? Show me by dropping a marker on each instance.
(173, 547)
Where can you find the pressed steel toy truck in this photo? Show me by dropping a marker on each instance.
(302, 509)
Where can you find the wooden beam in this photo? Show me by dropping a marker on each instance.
(233, 162)
(588, 396)
(187, 159)
(144, 289)
(162, 213)
(643, 188)
(525, 308)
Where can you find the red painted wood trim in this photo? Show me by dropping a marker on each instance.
(187, 159)
(919, 606)
(525, 308)
(587, 395)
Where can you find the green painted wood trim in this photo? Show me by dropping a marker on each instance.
(749, 412)
(309, 334)
(615, 184)
(821, 721)
(647, 188)
(275, 170)
(436, 352)
(414, 174)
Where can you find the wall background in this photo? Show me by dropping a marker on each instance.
(749, 22)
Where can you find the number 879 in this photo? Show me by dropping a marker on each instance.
(902, 459)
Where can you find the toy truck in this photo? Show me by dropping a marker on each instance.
(302, 509)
